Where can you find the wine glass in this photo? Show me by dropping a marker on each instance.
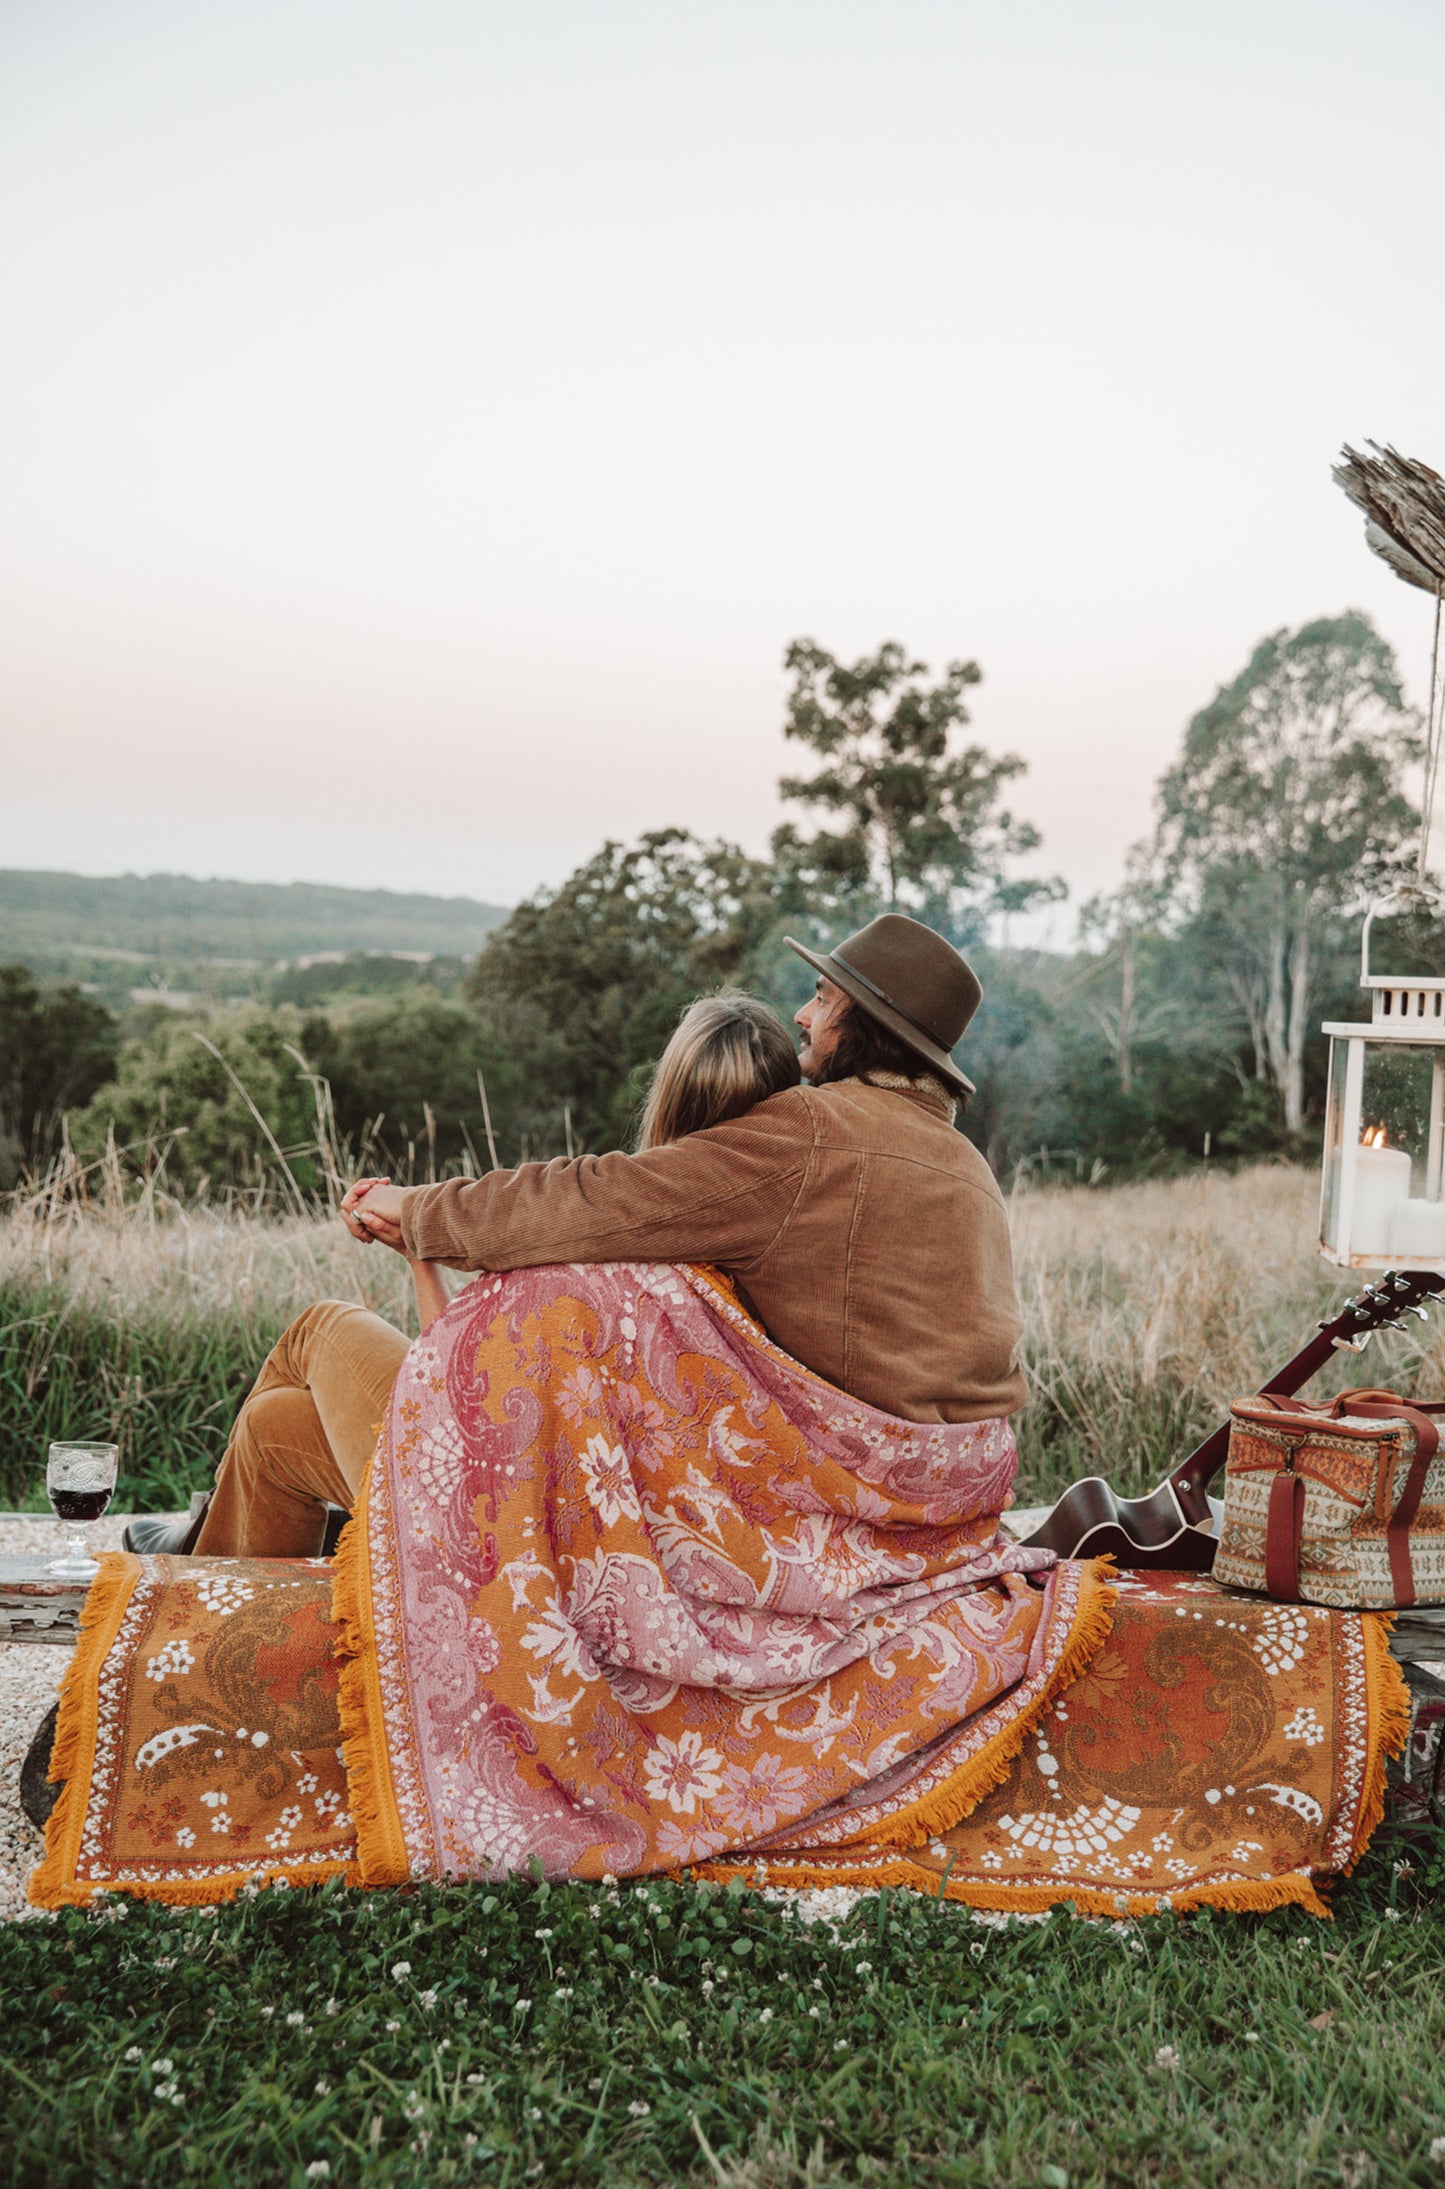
(79, 1481)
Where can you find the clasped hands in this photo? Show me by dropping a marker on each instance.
(372, 1210)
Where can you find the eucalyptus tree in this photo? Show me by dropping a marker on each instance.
(1286, 808)
(921, 826)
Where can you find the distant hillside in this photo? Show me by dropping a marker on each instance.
(127, 931)
(171, 915)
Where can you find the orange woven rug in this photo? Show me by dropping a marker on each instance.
(199, 1740)
(1215, 1750)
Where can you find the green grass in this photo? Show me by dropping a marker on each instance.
(667, 2034)
(165, 1391)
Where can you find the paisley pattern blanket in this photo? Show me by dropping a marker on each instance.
(628, 1587)
(630, 1590)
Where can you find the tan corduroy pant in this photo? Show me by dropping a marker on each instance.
(304, 1435)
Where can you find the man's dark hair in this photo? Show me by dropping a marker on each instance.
(863, 1045)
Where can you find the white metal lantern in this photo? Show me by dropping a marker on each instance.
(1381, 1202)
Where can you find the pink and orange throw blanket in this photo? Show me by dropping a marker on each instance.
(629, 1590)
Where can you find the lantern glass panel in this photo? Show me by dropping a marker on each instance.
(1396, 1137)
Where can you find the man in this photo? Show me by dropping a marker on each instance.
(867, 1236)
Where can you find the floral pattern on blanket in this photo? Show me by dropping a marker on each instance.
(1218, 1749)
(210, 1722)
(630, 1587)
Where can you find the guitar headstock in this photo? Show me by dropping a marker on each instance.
(1383, 1306)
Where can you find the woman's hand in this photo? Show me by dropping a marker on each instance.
(372, 1210)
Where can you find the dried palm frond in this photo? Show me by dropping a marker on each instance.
(1404, 506)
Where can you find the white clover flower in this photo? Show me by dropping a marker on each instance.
(413, 2106)
(319, 2170)
(563, 1991)
(295, 2019)
(428, 1999)
(766, 2015)
(333, 2006)
(323, 2090)
(814, 2012)
(475, 2079)
(1437, 2150)
(132, 2054)
(543, 1934)
(534, 2112)
(521, 2006)
(163, 2067)
(864, 1968)
(399, 1969)
(639, 2109)
(393, 2027)
(267, 2013)
(1251, 2036)
(1167, 2060)
(842, 2045)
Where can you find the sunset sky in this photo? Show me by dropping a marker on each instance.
(425, 425)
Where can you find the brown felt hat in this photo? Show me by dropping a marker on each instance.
(912, 981)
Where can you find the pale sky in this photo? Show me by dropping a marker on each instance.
(425, 424)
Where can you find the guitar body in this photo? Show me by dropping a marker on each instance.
(1151, 1532)
(1172, 1529)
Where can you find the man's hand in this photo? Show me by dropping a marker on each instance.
(372, 1210)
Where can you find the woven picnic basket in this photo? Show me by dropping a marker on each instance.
(1340, 1503)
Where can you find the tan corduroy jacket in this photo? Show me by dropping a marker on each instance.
(868, 1236)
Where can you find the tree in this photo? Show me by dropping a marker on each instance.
(1283, 813)
(923, 830)
(406, 1073)
(225, 1101)
(55, 1051)
(609, 961)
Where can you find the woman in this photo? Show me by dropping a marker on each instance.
(304, 1435)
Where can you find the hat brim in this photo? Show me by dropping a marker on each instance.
(902, 1029)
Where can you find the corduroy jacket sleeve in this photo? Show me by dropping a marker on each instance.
(717, 1196)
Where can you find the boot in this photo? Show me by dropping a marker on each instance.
(176, 1533)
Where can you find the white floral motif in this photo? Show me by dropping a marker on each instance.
(1083, 1831)
(679, 1772)
(223, 1593)
(172, 1659)
(1305, 1726)
(608, 1477)
(1280, 1643)
(440, 1458)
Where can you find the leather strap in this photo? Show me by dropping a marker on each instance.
(1374, 1406)
(1282, 1537)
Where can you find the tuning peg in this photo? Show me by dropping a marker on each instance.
(1422, 1312)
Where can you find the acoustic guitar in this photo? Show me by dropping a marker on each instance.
(1172, 1529)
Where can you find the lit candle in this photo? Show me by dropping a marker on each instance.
(1382, 1182)
(1418, 1228)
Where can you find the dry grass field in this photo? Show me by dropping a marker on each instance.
(1147, 1308)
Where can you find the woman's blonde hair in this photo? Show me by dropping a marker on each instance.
(729, 1052)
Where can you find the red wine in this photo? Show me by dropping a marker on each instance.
(79, 1504)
